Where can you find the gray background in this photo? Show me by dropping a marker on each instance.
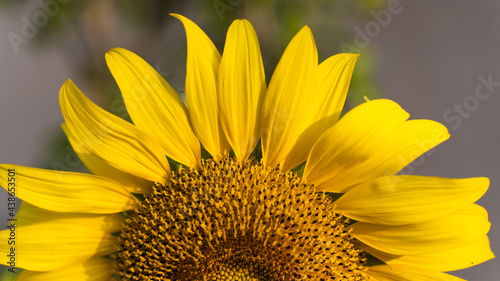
(428, 58)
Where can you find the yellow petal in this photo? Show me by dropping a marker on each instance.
(370, 141)
(334, 76)
(397, 200)
(66, 191)
(59, 242)
(399, 272)
(444, 233)
(285, 110)
(94, 269)
(112, 139)
(469, 255)
(30, 214)
(99, 167)
(242, 86)
(202, 71)
(154, 106)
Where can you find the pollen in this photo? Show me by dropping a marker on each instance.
(237, 221)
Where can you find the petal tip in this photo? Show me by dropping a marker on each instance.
(305, 28)
(67, 87)
(179, 17)
(115, 50)
(118, 53)
(483, 183)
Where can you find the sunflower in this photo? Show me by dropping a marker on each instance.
(289, 190)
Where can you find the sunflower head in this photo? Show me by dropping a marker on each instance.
(237, 220)
(235, 214)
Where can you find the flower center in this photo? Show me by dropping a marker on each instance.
(236, 269)
(236, 221)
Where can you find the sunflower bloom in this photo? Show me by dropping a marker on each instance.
(290, 192)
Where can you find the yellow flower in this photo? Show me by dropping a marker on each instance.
(239, 214)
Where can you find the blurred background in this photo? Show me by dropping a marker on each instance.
(439, 60)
